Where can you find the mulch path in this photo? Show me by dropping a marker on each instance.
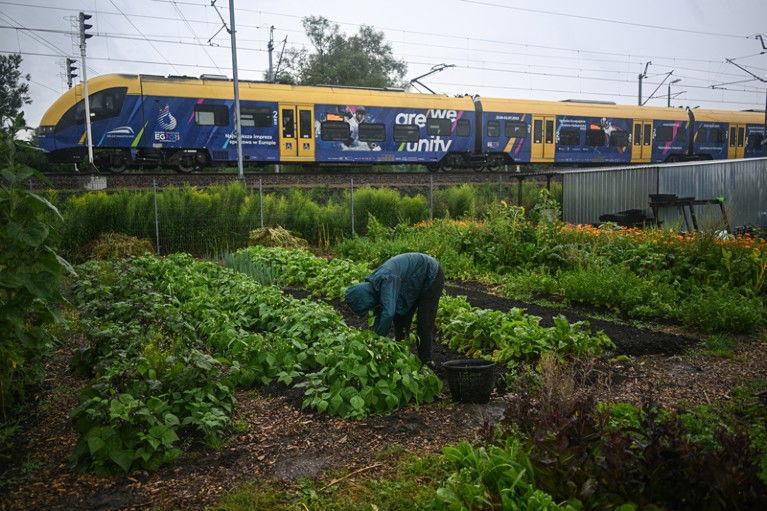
(284, 443)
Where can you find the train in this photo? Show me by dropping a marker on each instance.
(187, 123)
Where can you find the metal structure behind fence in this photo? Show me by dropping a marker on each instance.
(742, 184)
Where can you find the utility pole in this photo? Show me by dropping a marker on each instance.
(669, 90)
(237, 126)
(83, 37)
(270, 47)
(642, 76)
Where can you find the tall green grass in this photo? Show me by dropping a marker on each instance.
(218, 218)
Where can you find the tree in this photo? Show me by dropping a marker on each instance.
(364, 59)
(14, 89)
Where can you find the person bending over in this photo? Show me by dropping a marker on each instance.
(400, 287)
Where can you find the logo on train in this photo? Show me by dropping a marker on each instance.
(166, 121)
(121, 132)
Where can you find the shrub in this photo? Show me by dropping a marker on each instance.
(721, 310)
(619, 289)
(31, 273)
(115, 245)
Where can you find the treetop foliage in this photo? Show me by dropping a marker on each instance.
(364, 59)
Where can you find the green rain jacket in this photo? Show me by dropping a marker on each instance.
(393, 288)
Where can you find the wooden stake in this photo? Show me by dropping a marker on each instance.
(331, 483)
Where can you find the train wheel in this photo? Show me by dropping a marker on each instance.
(494, 163)
(451, 162)
(188, 162)
(117, 163)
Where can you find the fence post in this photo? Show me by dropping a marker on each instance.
(261, 199)
(519, 190)
(156, 219)
(431, 197)
(500, 189)
(352, 194)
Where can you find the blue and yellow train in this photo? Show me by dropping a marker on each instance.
(188, 123)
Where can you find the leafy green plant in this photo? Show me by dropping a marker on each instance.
(31, 273)
(511, 337)
(493, 477)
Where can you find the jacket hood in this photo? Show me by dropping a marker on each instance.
(361, 298)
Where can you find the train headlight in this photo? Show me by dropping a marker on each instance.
(45, 130)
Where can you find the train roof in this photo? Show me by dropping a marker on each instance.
(589, 109)
(219, 87)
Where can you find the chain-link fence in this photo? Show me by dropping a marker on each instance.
(219, 218)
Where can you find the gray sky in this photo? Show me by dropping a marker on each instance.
(499, 50)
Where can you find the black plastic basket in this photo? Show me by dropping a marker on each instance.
(470, 380)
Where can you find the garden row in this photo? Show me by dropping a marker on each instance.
(699, 279)
(169, 340)
(508, 337)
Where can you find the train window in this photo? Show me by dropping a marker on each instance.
(595, 137)
(647, 134)
(305, 123)
(515, 129)
(732, 137)
(107, 103)
(637, 134)
(702, 135)
(370, 132)
(289, 123)
(537, 131)
(741, 132)
(407, 133)
(754, 141)
(549, 132)
(716, 136)
(463, 128)
(75, 115)
(211, 115)
(569, 137)
(439, 127)
(666, 133)
(335, 131)
(256, 116)
(493, 129)
(103, 104)
(619, 139)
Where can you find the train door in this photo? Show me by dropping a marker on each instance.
(647, 141)
(641, 142)
(736, 142)
(544, 139)
(296, 132)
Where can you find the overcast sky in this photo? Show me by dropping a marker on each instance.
(499, 49)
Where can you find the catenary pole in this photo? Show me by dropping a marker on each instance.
(237, 126)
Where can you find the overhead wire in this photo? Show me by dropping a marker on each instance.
(398, 30)
(604, 20)
(194, 34)
(140, 32)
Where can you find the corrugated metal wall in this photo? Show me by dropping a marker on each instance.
(587, 194)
